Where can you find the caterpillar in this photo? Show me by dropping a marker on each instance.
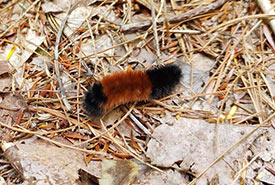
(130, 86)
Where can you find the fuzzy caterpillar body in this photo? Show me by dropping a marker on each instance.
(129, 86)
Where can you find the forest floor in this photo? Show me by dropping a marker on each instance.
(216, 127)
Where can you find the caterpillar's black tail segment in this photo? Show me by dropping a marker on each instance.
(94, 99)
(163, 79)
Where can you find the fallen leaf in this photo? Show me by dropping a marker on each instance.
(4, 67)
(5, 82)
(11, 106)
(68, 85)
(21, 55)
(48, 7)
(154, 177)
(202, 62)
(103, 42)
(199, 76)
(118, 172)
(39, 63)
(268, 36)
(75, 18)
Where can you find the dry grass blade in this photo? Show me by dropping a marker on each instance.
(19, 19)
(104, 14)
(129, 152)
(234, 21)
(113, 127)
(245, 167)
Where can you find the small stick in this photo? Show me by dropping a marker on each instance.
(267, 8)
(56, 65)
(176, 18)
(154, 21)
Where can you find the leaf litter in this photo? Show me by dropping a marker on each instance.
(217, 127)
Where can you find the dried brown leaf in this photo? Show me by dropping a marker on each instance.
(4, 67)
(118, 172)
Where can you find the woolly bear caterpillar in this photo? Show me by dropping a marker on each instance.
(129, 86)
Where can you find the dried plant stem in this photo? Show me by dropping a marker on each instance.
(205, 94)
(94, 46)
(73, 147)
(19, 19)
(56, 64)
(154, 21)
(35, 132)
(129, 152)
(267, 8)
(140, 125)
(104, 14)
(114, 126)
(56, 142)
(176, 18)
(245, 167)
(228, 23)
(78, 92)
